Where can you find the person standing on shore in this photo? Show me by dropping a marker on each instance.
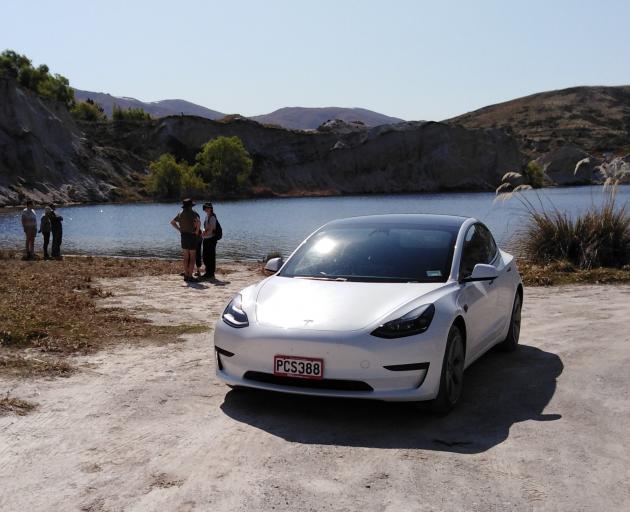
(187, 223)
(209, 241)
(198, 253)
(29, 224)
(57, 232)
(45, 227)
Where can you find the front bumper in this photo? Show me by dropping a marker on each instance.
(354, 365)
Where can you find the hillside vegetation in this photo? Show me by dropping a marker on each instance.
(595, 119)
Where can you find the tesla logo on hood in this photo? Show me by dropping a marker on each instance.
(307, 322)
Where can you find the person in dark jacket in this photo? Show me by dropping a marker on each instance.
(45, 227)
(57, 232)
(209, 241)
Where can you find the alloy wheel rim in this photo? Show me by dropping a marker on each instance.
(454, 370)
(516, 319)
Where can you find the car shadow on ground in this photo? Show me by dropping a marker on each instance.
(500, 390)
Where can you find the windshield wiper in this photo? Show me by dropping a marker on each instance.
(317, 278)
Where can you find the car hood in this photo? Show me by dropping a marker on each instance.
(294, 303)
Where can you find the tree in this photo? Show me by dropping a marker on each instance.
(534, 175)
(192, 184)
(88, 110)
(224, 164)
(130, 114)
(165, 178)
(38, 80)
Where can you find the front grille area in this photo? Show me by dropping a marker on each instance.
(332, 384)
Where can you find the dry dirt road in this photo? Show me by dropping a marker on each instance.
(150, 428)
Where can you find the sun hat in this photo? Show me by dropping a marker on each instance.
(207, 205)
(188, 202)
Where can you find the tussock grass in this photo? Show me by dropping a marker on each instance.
(600, 237)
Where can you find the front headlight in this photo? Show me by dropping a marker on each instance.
(414, 322)
(234, 315)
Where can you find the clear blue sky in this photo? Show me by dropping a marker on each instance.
(410, 59)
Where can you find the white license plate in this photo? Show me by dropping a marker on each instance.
(302, 367)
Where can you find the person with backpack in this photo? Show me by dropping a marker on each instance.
(45, 228)
(187, 223)
(212, 233)
(56, 229)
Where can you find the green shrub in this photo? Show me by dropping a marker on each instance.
(534, 175)
(170, 179)
(88, 110)
(38, 80)
(224, 164)
(129, 114)
(192, 184)
(165, 178)
(600, 237)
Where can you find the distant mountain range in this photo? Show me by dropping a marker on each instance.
(161, 108)
(302, 118)
(295, 118)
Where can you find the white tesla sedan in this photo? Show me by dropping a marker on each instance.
(387, 307)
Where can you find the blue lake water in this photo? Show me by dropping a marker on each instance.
(253, 228)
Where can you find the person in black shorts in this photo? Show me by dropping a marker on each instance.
(188, 224)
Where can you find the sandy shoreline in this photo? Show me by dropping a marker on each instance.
(150, 428)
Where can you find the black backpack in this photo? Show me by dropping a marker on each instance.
(218, 232)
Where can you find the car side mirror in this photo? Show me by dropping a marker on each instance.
(482, 272)
(273, 265)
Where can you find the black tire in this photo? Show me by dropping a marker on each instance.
(510, 343)
(452, 377)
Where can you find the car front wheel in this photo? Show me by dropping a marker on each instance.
(452, 378)
(511, 341)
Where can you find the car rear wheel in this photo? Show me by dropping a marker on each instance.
(452, 378)
(511, 341)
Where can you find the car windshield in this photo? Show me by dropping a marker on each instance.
(399, 253)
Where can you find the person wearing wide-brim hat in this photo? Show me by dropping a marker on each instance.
(187, 223)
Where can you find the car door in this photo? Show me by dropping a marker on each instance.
(479, 298)
(502, 284)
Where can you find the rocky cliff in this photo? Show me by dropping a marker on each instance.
(577, 135)
(46, 155)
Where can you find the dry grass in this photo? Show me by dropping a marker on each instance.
(563, 272)
(19, 365)
(50, 306)
(9, 405)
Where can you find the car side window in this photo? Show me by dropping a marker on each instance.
(488, 240)
(479, 247)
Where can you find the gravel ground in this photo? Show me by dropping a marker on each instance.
(150, 428)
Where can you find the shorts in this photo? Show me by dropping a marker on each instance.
(189, 241)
